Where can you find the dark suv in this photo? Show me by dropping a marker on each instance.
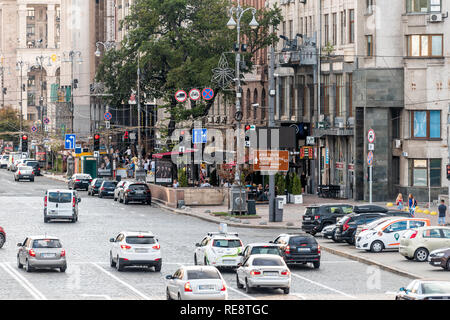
(135, 191)
(299, 248)
(35, 165)
(107, 189)
(317, 217)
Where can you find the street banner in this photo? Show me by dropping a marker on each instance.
(105, 166)
(163, 173)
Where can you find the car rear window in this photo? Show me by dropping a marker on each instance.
(297, 241)
(311, 211)
(138, 187)
(267, 262)
(265, 250)
(46, 243)
(60, 197)
(140, 240)
(227, 243)
(436, 288)
(98, 183)
(202, 274)
(32, 163)
(109, 184)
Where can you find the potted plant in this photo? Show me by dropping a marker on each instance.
(182, 178)
(281, 187)
(289, 184)
(297, 190)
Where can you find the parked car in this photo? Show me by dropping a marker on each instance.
(317, 217)
(135, 248)
(95, 186)
(299, 249)
(4, 161)
(263, 271)
(260, 248)
(13, 156)
(389, 214)
(440, 258)
(329, 231)
(24, 172)
(61, 204)
(369, 208)
(135, 191)
(35, 165)
(425, 290)
(346, 227)
(2, 237)
(196, 283)
(107, 188)
(18, 162)
(79, 181)
(387, 234)
(41, 252)
(417, 244)
(118, 188)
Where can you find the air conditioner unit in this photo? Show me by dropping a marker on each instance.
(398, 143)
(436, 17)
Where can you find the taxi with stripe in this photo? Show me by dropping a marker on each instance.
(386, 236)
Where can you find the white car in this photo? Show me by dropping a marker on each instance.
(387, 234)
(4, 161)
(135, 248)
(196, 283)
(24, 172)
(219, 250)
(264, 271)
(19, 162)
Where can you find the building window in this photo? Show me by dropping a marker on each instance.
(291, 29)
(306, 26)
(255, 103)
(340, 95)
(248, 103)
(427, 45)
(426, 124)
(301, 26)
(334, 29)
(326, 95)
(420, 169)
(369, 45)
(351, 29)
(423, 6)
(369, 6)
(326, 29)
(343, 24)
(350, 95)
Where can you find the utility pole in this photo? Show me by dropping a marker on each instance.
(319, 51)
(71, 54)
(139, 148)
(272, 93)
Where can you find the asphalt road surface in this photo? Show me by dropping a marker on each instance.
(89, 275)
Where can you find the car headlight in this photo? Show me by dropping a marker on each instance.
(439, 255)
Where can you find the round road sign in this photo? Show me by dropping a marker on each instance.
(371, 136)
(194, 94)
(181, 96)
(108, 116)
(370, 158)
(208, 93)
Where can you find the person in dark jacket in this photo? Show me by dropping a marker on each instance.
(442, 211)
(303, 181)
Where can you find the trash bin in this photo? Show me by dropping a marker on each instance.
(279, 209)
(251, 207)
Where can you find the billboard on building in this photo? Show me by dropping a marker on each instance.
(105, 166)
(163, 171)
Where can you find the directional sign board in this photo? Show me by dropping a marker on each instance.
(181, 96)
(69, 141)
(199, 136)
(271, 160)
(370, 158)
(371, 136)
(194, 94)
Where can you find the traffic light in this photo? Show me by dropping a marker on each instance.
(24, 143)
(126, 137)
(181, 138)
(247, 135)
(448, 172)
(96, 142)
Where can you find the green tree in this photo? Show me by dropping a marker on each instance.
(182, 178)
(296, 185)
(179, 42)
(280, 182)
(10, 125)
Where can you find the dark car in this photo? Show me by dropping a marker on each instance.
(2, 237)
(425, 290)
(107, 189)
(438, 258)
(317, 217)
(35, 165)
(299, 249)
(135, 191)
(95, 186)
(346, 227)
(367, 208)
(79, 181)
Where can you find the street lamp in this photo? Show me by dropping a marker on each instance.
(108, 45)
(238, 13)
(19, 67)
(40, 62)
(71, 58)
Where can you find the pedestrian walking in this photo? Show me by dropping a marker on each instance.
(412, 204)
(399, 201)
(303, 181)
(442, 212)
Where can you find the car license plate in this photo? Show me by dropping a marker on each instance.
(25, 176)
(271, 273)
(307, 218)
(48, 255)
(304, 249)
(139, 192)
(206, 287)
(141, 250)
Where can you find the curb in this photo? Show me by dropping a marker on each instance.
(239, 225)
(371, 262)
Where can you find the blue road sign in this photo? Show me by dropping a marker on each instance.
(208, 93)
(199, 136)
(108, 116)
(69, 141)
(370, 158)
(33, 128)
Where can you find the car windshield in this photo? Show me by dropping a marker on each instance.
(436, 287)
(140, 240)
(297, 241)
(227, 243)
(60, 197)
(32, 163)
(265, 250)
(311, 211)
(202, 274)
(267, 262)
(109, 184)
(46, 243)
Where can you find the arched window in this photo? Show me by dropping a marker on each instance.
(255, 102)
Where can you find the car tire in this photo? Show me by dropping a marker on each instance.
(421, 255)
(376, 246)
(19, 265)
(28, 268)
(286, 290)
(125, 200)
(248, 289)
(46, 220)
(350, 241)
(316, 265)
(111, 260)
(149, 202)
(168, 297)
(409, 258)
(238, 284)
(195, 260)
(63, 269)
(158, 267)
(179, 296)
(2, 240)
(118, 265)
(120, 199)
(32, 180)
(448, 264)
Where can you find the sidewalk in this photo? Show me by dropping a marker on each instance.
(57, 177)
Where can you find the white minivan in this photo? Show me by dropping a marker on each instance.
(61, 204)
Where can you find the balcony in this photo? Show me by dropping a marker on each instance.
(293, 54)
(341, 127)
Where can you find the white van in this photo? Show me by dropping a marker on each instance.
(13, 156)
(4, 160)
(61, 204)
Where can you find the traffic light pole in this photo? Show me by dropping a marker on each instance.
(272, 93)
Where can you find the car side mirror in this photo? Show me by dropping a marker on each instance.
(270, 241)
(198, 245)
(19, 244)
(112, 240)
(169, 277)
(241, 254)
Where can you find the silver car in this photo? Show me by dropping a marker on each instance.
(263, 271)
(421, 289)
(196, 283)
(24, 172)
(41, 252)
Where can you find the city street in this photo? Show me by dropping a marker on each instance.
(89, 275)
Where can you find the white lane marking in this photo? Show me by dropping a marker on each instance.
(299, 295)
(240, 292)
(323, 286)
(104, 296)
(23, 282)
(339, 261)
(122, 282)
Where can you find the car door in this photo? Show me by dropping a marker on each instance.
(200, 251)
(22, 250)
(115, 245)
(242, 270)
(446, 235)
(245, 253)
(393, 233)
(172, 285)
(433, 239)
